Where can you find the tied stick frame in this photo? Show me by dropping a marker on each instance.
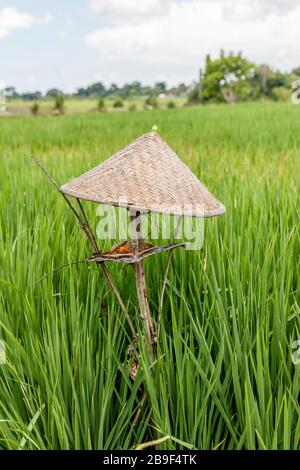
(136, 260)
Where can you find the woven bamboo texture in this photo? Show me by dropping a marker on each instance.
(148, 176)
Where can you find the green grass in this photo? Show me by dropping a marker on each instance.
(84, 105)
(224, 375)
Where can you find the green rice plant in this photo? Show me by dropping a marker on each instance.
(34, 109)
(224, 376)
(101, 105)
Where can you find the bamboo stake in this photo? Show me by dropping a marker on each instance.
(140, 281)
(141, 288)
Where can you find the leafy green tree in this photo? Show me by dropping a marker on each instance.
(93, 90)
(130, 90)
(82, 92)
(10, 92)
(180, 90)
(296, 71)
(160, 87)
(278, 80)
(31, 96)
(96, 89)
(113, 89)
(227, 78)
(53, 92)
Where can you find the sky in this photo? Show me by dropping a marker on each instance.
(71, 43)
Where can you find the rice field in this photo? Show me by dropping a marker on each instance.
(225, 375)
(85, 105)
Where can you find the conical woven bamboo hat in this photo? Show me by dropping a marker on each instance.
(146, 175)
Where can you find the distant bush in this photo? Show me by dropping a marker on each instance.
(151, 103)
(171, 104)
(281, 93)
(101, 104)
(118, 104)
(34, 108)
(132, 107)
(59, 102)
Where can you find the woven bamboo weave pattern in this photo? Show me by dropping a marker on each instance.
(146, 175)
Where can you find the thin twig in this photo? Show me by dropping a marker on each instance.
(118, 297)
(137, 257)
(43, 169)
(165, 280)
(61, 267)
(88, 227)
(87, 230)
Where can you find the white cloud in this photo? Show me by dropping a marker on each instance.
(233, 10)
(11, 19)
(252, 10)
(62, 34)
(125, 8)
(174, 45)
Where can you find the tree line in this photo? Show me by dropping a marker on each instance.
(231, 78)
(98, 90)
(227, 78)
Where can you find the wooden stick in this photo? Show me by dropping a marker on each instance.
(88, 227)
(136, 257)
(140, 281)
(84, 225)
(141, 288)
(107, 276)
(43, 169)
